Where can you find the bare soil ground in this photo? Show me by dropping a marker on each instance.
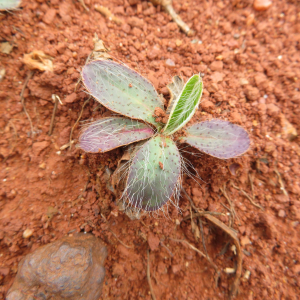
(250, 61)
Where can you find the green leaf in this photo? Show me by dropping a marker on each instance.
(185, 105)
(154, 173)
(121, 90)
(218, 138)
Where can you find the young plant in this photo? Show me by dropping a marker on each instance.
(155, 170)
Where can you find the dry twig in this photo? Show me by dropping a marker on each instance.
(281, 182)
(247, 196)
(23, 100)
(232, 210)
(79, 117)
(83, 5)
(108, 14)
(56, 100)
(162, 244)
(232, 234)
(252, 186)
(129, 247)
(167, 5)
(148, 275)
(206, 253)
(198, 251)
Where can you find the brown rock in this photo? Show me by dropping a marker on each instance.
(245, 241)
(49, 16)
(64, 136)
(207, 105)
(153, 241)
(125, 27)
(133, 2)
(281, 213)
(217, 76)
(288, 130)
(117, 270)
(64, 11)
(252, 93)
(71, 98)
(70, 268)
(216, 66)
(261, 5)
(260, 79)
(296, 269)
(176, 268)
(226, 27)
(272, 109)
(196, 192)
(170, 63)
(38, 147)
(136, 22)
(236, 117)
(4, 271)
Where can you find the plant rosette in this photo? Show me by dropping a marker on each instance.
(155, 170)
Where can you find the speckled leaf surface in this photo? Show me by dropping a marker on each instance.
(218, 138)
(9, 4)
(185, 105)
(153, 174)
(109, 133)
(121, 89)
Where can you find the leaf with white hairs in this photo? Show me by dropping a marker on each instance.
(218, 138)
(9, 4)
(185, 105)
(109, 133)
(121, 90)
(154, 173)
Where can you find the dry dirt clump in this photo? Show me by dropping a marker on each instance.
(250, 62)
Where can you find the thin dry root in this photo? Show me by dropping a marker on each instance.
(108, 14)
(79, 117)
(148, 276)
(247, 196)
(167, 5)
(232, 234)
(84, 6)
(129, 247)
(23, 100)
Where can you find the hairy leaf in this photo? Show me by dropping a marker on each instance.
(109, 133)
(218, 138)
(122, 90)
(185, 105)
(175, 88)
(154, 174)
(9, 4)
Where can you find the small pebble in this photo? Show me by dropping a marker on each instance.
(27, 233)
(229, 270)
(236, 36)
(261, 5)
(170, 63)
(281, 213)
(247, 275)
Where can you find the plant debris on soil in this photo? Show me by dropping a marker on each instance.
(249, 59)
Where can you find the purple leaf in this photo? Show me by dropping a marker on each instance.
(109, 133)
(121, 90)
(218, 138)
